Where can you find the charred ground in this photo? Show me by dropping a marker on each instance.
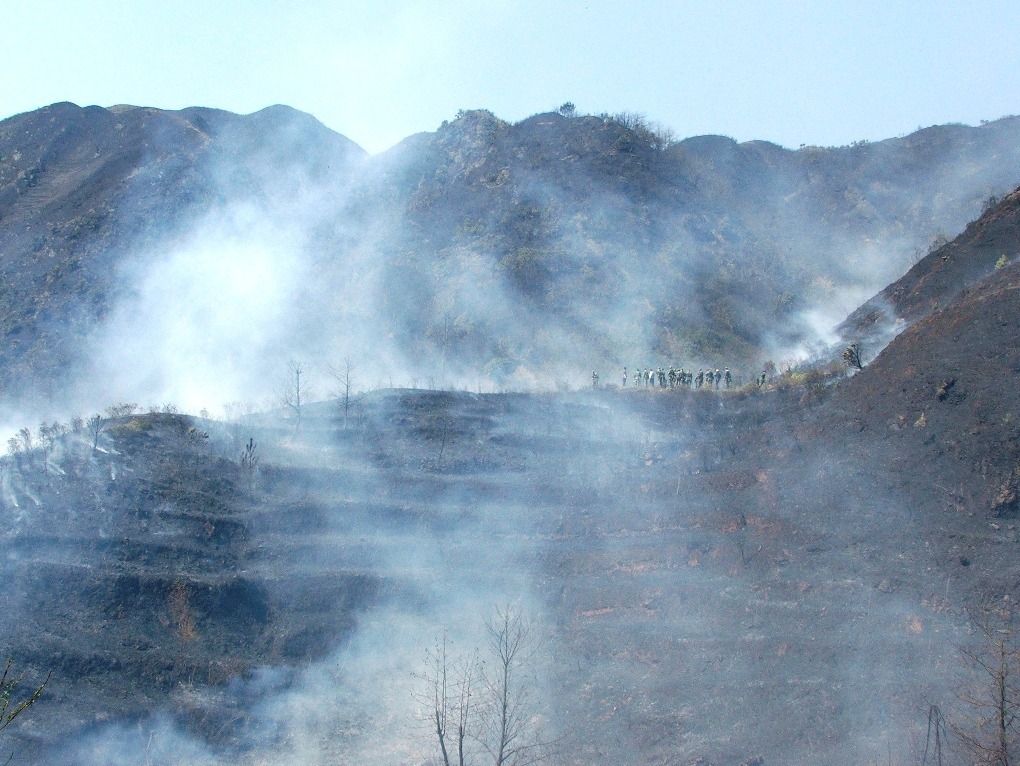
(701, 563)
(781, 573)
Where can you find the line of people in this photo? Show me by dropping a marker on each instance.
(673, 378)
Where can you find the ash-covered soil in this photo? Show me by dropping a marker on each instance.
(778, 575)
(938, 279)
(715, 576)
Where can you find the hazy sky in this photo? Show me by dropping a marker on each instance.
(791, 72)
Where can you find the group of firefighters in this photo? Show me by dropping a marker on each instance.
(672, 378)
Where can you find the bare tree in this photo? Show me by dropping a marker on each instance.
(21, 442)
(27, 439)
(94, 427)
(653, 134)
(344, 376)
(631, 120)
(509, 734)
(295, 391)
(49, 435)
(934, 738)
(499, 719)
(988, 728)
(446, 695)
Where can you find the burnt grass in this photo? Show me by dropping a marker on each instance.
(746, 577)
(783, 574)
(720, 577)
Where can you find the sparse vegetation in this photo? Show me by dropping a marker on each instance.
(344, 377)
(121, 410)
(650, 134)
(10, 706)
(94, 428)
(988, 726)
(487, 700)
(852, 356)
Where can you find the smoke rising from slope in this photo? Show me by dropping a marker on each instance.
(204, 317)
(444, 568)
(689, 579)
(215, 315)
(500, 256)
(689, 571)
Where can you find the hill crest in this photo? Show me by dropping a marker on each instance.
(441, 256)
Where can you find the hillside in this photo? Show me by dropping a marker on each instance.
(88, 197)
(987, 243)
(777, 574)
(697, 564)
(936, 406)
(705, 251)
(438, 259)
(939, 404)
(678, 563)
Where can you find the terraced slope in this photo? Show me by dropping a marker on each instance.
(704, 584)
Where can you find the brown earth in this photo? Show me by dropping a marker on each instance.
(937, 279)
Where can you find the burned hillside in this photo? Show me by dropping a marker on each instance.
(780, 572)
(125, 231)
(990, 242)
(698, 563)
(942, 392)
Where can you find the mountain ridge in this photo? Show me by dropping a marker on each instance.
(622, 245)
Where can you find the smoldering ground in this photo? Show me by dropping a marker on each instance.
(691, 578)
(361, 524)
(697, 595)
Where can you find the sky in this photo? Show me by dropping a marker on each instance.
(825, 73)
